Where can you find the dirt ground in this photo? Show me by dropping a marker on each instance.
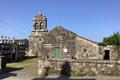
(26, 72)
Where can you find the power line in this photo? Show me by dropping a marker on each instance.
(9, 26)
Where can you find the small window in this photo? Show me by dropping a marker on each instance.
(40, 39)
(84, 50)
(47, 56)
(73, 57)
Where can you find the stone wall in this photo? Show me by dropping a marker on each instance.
(114, 52)
(86, 49)
(43, 44)
(77, 47)
(35, 40)
(85, 67)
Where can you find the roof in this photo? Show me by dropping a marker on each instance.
(60, 27)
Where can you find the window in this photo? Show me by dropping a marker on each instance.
(39, 39)
(37, 26)
(47, 56)
(73, 57)
(2, 46)
(84, 50)
(42, 25)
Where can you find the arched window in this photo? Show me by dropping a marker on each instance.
(42, 25)
(37, 26)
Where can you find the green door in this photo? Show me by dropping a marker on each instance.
(57, 52)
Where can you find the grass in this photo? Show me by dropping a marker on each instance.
(27, 67)
(24, 63)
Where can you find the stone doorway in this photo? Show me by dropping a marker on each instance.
(106, 55)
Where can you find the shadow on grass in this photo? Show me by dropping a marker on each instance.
(7, 72)
(10, 69)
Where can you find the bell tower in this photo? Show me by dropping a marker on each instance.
(40, 22)
(38, 33)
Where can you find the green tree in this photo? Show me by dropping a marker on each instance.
(112, 40)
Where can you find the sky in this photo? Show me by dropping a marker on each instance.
(92, 19)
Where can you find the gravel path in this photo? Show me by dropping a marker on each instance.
(25, 73)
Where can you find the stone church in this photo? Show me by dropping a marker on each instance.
(56, 47)
(61, 43)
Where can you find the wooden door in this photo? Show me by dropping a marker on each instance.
(57, 52)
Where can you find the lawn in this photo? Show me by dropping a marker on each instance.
(23, 63)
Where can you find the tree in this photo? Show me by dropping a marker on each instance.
(112, 40)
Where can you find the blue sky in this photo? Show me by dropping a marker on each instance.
(92, 19)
